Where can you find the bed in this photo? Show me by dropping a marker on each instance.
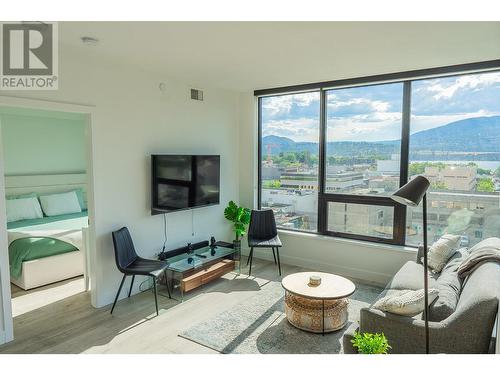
(49, 249)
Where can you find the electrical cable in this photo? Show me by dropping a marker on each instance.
(164, 231)
(150, 285)
(192, 223)
(161, 254)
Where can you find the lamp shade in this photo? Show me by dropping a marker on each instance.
(412, 192)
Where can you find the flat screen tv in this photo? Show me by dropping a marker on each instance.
(181, 182)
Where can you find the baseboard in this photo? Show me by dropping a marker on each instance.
(367, 276)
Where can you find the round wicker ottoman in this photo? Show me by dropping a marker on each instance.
(317, 308)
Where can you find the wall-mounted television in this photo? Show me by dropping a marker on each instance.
(182, 182)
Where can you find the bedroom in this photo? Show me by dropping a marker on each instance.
(45, 164)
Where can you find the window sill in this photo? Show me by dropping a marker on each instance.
(378, 246)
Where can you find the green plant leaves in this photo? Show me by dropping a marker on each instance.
(231, 211)
(371, 343)
(239, 229)
(240, 216)
(245, 218)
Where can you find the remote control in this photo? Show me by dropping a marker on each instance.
(200, 255)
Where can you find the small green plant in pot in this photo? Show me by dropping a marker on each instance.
(240, 217)
(371, 343)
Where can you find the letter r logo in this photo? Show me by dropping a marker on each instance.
(27, 49)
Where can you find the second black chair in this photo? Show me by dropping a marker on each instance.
(262, 232)
(131, 264)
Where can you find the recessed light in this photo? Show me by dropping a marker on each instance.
(89, 41)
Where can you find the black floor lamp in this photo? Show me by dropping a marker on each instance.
(410, 195)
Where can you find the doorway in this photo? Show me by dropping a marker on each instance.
(46, 162)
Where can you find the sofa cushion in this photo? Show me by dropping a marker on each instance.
(411, 276)
(405, 302)
(441, 251)
(449, 286)
(489, 242)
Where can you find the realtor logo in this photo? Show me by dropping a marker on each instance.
(29, 56)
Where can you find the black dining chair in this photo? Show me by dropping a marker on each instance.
(262, 232)
(131, 264)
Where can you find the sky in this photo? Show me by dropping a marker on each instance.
(373, 113)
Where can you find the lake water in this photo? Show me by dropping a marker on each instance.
(485, 164)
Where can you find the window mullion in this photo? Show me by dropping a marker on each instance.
(322, 209)
(259, 153)
(400, 210)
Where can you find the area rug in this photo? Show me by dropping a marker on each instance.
(259, 325)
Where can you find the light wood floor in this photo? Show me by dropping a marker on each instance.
(72, 325)
(24, 301)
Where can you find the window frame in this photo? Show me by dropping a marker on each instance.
(406, 78)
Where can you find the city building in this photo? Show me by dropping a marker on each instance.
(453, 177)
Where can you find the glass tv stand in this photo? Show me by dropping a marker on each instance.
(186, 271)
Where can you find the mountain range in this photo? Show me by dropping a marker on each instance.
(476, 135)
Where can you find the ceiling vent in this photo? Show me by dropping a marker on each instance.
(196, 94)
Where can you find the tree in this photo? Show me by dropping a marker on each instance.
(484, 171)
(271, 184)
(290, 157)
(438, 185)
(486, 185)
(418, 167)
(497, 172)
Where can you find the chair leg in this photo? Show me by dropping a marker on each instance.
(248, 259)
(156, 294)
(251, 258)
(278, 256)
(131, 285)
(118, 293)
(274, 256)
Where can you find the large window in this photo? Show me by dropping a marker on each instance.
(330, 159)
(455, 143)
(289, 159)
(362, 157)
(363, 148)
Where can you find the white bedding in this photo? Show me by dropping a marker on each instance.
(69, 230)
(55, 268)
(72, 236)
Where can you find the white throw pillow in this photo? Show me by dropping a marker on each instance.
(405, 302)
(23, 209)
(441, 251)
(60, 204)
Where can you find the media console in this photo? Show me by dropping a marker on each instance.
(193, 266)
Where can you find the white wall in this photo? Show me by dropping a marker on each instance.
(131, 120)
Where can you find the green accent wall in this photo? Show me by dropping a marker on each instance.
(42, 142)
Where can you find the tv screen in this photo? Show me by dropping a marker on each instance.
(182, 182)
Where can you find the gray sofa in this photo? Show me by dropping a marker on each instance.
(462, 318)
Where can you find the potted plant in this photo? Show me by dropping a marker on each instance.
(371, 343)
(240, 217)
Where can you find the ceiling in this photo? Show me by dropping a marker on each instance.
(244, 56)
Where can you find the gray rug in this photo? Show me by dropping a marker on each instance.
(259, 325)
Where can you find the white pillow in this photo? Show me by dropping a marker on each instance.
(405, 302)
(441, 251)
(60, 204)
(23, 209)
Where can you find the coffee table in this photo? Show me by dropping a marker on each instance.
(321, 308)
